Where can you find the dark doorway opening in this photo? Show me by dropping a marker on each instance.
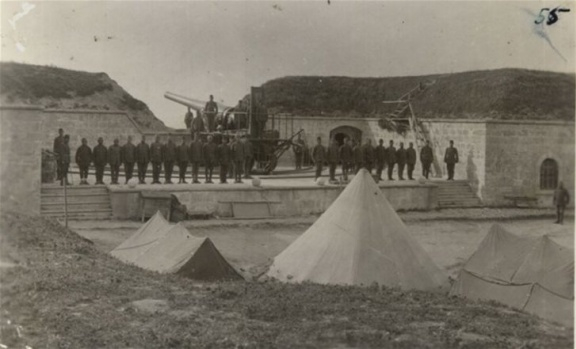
(341, 132)
(339, 137)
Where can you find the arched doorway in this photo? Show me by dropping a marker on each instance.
(341, 132)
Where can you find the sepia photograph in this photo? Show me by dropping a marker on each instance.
(287, 174)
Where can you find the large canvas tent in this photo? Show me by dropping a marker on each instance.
(165, 248)
(532, 274)
(359, 240)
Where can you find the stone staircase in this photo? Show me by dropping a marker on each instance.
(453, 194)
(84, 202)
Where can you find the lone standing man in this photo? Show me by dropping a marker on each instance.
(156, 159)
(333, 157)
(182, 158)
(380, 155)
(346, 157)
(211, 110)
(83, 160)
(210, 158)
(319, 157)
(561, 200)
(142, 158)
(128, 158)
(391, 159)
(115, 159)
(410, 160)
(58, 141)
(100, 154)
(169, 158)
(451, 158)
(195, 154)
(426, 158)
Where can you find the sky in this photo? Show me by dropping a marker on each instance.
(198, 48)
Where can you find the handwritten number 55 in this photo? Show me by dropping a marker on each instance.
(552, 16)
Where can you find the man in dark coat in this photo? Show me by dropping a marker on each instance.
(100, 155)
(142, 159)
(451, 159)
(210, 158)
(83, 160)
(239, 157)
(249, 160)
(368, 151)
(410, 159)
(115, 159)
(224, 158)
(169, 158)
(65, 159)
(211, 110)
(182, 159)
(561, 200)
(188, 119)
(426, 158)
(333, 157)
(358, 156)
(197, 123)
(380, 155)
(128, 158)
(391, 159)
(401, 161)
(298, 149)
(58, 141)
(346, 157)
(195, 155)
(319, 157)
(156, 158)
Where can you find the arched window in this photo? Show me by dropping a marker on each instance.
(549, 174)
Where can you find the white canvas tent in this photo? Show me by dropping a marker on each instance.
(359, 240)
(535, 275)
(165, 248)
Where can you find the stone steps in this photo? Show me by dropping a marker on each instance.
(454, 194)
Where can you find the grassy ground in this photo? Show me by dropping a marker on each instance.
(65, 293)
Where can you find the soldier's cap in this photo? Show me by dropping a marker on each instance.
(66, 137)
(60, 130)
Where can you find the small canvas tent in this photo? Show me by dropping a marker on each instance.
(165, 248)
(535, 275)
(359, 240)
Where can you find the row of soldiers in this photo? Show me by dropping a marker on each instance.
(235, 159)
(353, 156)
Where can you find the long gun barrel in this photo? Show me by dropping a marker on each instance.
(190, 103)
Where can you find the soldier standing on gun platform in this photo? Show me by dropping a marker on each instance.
(196, 157)
(156, 158)
(391, 159)
(100, 154)
(319, 156)
(114, 159)
(182, 158)
(83, 159)
(169, 158)
(333, 157)
(128, 158)
(426, 158)
(380, 154)
(410, 160)
(142, 155)
(210, 158)
(346, 157)
(211, 110)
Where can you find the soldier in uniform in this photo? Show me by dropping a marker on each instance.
(451, 158)
(319, 157)
(210, 158)
(169, 158)
(239, 156)
(368, 151)
(156, 158)
(211, 110)
(182, 159)
(410, 159)
(358, 156)
(188, 119)
(128, 158)
(249, 156)
(195, 154)
(197, 124)
(401, 161)
(426, 158)
(333, 157)
(380, 154)
(58, 141)
(114, 159)
(346, 157)
(391, 159)
(142, 159)
(224, 157)
(83, 160)
(298, 149)
(100, 154)
(65, 159)
(561, 200)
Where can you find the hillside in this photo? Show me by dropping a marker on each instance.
(58, 88)
(497, 94)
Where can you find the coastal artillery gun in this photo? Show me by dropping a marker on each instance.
(267, 145)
